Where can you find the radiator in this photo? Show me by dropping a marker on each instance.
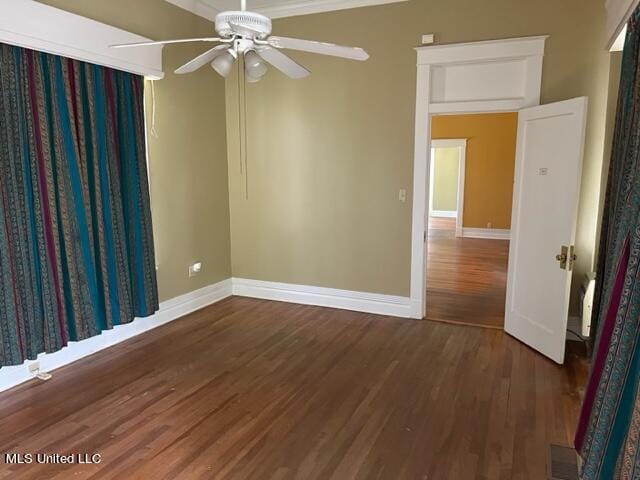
(587, 290)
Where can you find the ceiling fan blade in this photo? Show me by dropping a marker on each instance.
(353, 53)
(165, 42)
(202, 60)
(283, 63)
(246, 31)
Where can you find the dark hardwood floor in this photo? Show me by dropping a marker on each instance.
(250, 389)
(466, 277)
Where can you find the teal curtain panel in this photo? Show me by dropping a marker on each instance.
(76, 244)
(608, 435)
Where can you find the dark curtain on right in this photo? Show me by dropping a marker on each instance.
(608, 435)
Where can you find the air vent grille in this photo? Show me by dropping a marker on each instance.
(562, 463)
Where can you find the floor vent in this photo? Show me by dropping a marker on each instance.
(562, 463)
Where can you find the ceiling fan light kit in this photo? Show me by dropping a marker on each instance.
(254, 65)
(249, 34)
(223, 64)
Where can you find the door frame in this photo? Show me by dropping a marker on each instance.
(461, 145)
(478, 77)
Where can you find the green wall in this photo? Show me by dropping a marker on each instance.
(445, 179)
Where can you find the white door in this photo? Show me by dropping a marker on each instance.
(545, 203)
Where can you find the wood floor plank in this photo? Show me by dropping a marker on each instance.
(466, 277)
(250, 389)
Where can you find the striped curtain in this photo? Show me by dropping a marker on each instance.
(608, 436)
(76, 247)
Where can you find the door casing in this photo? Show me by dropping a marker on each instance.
(478, 77)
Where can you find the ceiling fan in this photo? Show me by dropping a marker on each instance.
(248, 34)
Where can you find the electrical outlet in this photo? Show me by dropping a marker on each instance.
(489, 225)
(402, 195)
(34, 367)
(195, 269)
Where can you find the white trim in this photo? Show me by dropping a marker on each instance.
(618, 44)
(442, 213)
(33, 25)
(618, 14)
(210, 8)
(327, 297)
(198, 7)
(488, 50)
(488, 233)
(479, 106)
(527, 53)
(291, 9)
(170, 310)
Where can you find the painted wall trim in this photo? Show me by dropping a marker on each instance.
(327, 297)
(618, 14)
(209, 8)
(488, 233)
(489, 50)
(30, 24)
(444, 213)
(198, 7)
(170, 310)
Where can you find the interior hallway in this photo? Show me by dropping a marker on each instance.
(466, 277)
(249, 389)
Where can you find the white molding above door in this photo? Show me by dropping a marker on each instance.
(276, 9)
(33, 25)
(479, 77)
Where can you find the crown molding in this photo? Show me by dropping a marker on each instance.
(292, 9)
(618, 14)
(34, 25)
(209, 8)
(198, 7)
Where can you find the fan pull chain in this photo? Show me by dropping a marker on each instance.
(246, 143)
(242, 125)
(240, 118)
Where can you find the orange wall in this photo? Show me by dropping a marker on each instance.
(491, 153)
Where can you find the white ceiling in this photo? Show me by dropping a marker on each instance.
(274, 8)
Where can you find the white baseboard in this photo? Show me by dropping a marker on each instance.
(489, 233)
(327, 297)
(443, 214)
(169, 311)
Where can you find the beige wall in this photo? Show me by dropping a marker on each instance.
(445, 179)
(328, 154)
(188, 159)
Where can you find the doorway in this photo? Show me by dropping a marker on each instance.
(470, 197)
(505, 76)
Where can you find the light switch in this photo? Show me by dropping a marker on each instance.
(428, 39)
(402, 195)
(195, 269)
